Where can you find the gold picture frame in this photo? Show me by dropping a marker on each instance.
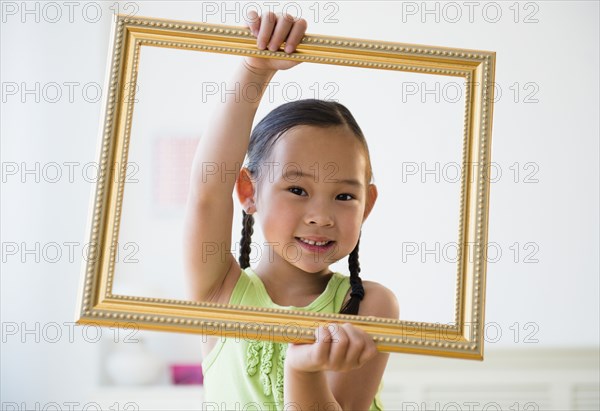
(98, 305)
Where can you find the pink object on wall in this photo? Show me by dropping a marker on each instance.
(173, 163)
(186, 374)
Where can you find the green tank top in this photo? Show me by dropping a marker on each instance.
(241, 374)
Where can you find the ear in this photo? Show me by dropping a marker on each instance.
(246, 191)
(371, 198)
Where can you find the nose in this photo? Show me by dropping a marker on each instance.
(319, 214)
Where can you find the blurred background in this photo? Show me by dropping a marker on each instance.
(542, 299)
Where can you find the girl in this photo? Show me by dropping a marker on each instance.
(308, 182)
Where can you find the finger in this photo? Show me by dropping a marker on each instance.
(369, 352)
(337, 354)
(267, 23)
(282, 28)
(359, 343)
(322, 345)
(295, 36)
(253, 22)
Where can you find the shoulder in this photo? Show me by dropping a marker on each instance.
(379, 301)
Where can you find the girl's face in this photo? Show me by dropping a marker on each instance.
(313, 188)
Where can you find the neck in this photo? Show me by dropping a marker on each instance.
(278, 275)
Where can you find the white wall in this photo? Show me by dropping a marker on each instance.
(550, 301)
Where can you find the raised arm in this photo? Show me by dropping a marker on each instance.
(220, 155)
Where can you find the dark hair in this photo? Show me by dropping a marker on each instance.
(310, 112)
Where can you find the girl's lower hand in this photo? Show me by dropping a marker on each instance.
(337, 348)
(271, 31)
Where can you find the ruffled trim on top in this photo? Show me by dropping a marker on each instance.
(259, 357)
(279, 377)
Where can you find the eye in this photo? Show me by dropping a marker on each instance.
(296, 190)
(347, 196)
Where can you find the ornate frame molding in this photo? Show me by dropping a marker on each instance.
(97, 303)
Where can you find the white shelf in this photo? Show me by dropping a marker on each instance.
(150, 397)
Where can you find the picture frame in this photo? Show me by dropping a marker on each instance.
(97, 304)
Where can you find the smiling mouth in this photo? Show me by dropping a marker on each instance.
(314, 243)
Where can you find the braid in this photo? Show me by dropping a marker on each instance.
(247, 232)
(358, 291)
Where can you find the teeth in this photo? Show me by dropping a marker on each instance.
(313, 242)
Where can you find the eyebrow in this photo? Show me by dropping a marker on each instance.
(299, 173)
